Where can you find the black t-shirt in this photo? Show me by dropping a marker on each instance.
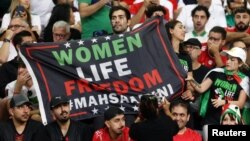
(8, 73)
(162, 128)
(200, 73)
(77, 132)
(185, 61)
(222, 84)
(8, 131)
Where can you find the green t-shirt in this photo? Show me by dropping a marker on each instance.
(97, 23)
(230, 20)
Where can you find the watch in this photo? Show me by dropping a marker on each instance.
(6, 40)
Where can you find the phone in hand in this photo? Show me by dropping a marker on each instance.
(20, 10)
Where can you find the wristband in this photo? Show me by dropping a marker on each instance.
(6, 40)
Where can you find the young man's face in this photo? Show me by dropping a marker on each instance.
(119, 22)
(21, 113)
(116, 124)
(199, 20)
(242, 21)
(61, 112)
(180, 116)
(193, 51)
(216, 38)
(25, 40)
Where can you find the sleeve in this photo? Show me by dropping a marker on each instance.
(6, 21)
(96, 137)
(222, 16)
(134, 9)
(133, 131)
(36, 21)
(211, 75)
(197, 136)
(182, 17)
(86, 1)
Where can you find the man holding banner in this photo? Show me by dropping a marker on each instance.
(106, 71)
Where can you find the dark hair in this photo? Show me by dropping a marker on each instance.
(18, 38)
(231, 45)
(221, 30)
(61, 12)
(55, 2)
(149, 107)
(28, 15)
(116, 8)
(233, 117)
(229, 1)
(241, 10)
(180, 102)
(112, 112)
(201, 8)
(21, 63)
(151, 9)
(171, 25)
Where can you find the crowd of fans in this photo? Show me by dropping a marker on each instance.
(211, 38)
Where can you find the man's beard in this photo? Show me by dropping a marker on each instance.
(240, 27)
(119, 32)
(64, 119)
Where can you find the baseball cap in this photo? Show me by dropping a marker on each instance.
(56, 100)
(236, 52)
(112, 112)
(231, 109)
(192, 41)
(18, 100)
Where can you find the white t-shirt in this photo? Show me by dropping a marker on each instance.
(203, 39)
(217, 17)
(42, 8)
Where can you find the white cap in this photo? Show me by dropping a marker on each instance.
(236, 52)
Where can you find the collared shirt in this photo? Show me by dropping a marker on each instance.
(103, 135)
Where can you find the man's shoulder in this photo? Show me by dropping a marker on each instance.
(34, 125)
(102, 130)
(193, 133)
(101, 134)
(5, 124)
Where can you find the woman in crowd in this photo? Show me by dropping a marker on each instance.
(176, 33)
(61, 12)
(222, 86)
(153, 123)
(24, 14)
(35, 19)
(231, 115)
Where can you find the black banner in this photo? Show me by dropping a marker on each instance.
(109, 70)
